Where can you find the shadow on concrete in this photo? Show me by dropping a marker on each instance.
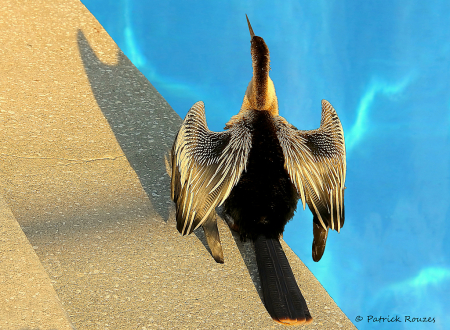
(246, 250)
(143, 122)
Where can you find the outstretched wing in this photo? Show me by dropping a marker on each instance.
(315, 161)
(206, 165)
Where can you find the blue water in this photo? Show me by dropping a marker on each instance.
(385, 67)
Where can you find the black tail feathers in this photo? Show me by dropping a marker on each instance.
(282, 296)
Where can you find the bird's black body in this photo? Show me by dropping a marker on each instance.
(264, 199)
(259, 206)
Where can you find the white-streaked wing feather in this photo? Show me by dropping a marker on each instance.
(206, 165)
(315, 161)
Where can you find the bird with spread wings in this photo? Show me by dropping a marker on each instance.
(258, 169)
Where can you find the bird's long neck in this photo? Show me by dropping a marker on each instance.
(261, 67)
(260, 94)
(262, 91)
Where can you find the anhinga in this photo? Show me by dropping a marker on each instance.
(257, 169)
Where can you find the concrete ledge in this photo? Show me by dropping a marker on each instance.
(83, 140)
(27, 297)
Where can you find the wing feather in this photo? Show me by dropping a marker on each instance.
(315, 161)
(206, 165)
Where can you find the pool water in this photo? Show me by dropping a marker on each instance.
(385, 67)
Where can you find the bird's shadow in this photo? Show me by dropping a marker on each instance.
(143, 122)
(247, 251)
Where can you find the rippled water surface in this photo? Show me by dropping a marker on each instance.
(385, 67)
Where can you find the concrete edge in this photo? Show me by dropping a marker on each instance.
(27, 298)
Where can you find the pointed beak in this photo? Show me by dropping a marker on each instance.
(252, 34)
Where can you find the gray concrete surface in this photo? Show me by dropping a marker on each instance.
(83, 136)
(27, 297)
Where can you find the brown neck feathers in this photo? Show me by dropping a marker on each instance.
(261, 67)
